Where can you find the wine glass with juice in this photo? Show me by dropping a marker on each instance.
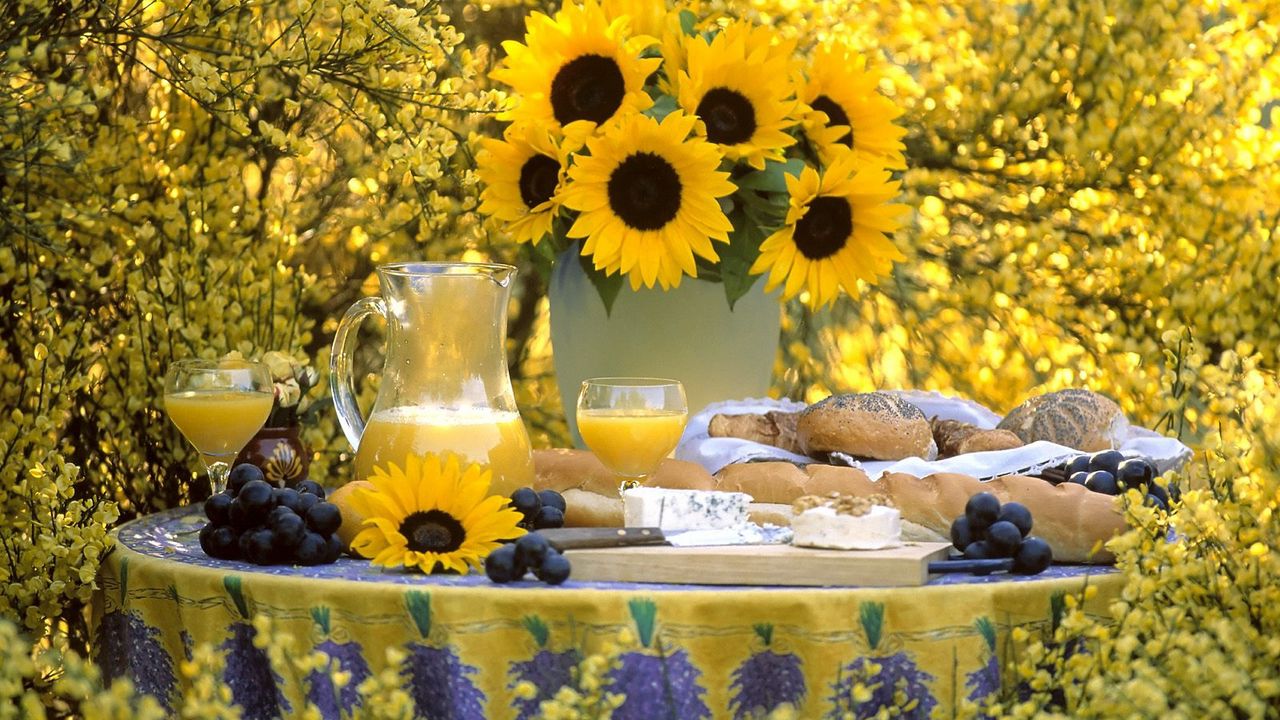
(219, 405)
(631, 424)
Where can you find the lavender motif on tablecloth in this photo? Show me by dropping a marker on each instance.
(766, 680)
(436, 678)
(884, 676)
(548, 670)
(127, 646)
(985, 681)
(656, 683)
(255, 686)
(335, 703)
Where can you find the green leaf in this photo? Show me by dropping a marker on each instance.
(419, 605)
(773, 179)
(764, 631)
(321, 617)
(538, 629)
(872, 617)
(987, 630)
(236, 591)
(644, 612)
(736, 258)
(124, 581)
(607, 286)
(662, 107)
(688, 21)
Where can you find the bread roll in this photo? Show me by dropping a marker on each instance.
(591, 490)
(1076, 418)
(774, 428)
(871, 425)
(959, 438)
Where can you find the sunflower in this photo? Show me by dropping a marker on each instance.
(576, 68)
(846, 111)
(522, 174)
(835, 234)
(739, 84)
(646, 197)
(432, 514)
(646, 17)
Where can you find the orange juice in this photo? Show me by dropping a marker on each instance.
(631, 442)
(491, 437)
(218, 422)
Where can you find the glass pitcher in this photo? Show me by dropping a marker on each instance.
(445, 385)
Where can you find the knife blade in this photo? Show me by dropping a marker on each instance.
(584, 538)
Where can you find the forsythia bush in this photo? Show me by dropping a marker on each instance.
(1094, 184)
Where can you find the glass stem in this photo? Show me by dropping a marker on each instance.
(218, 472)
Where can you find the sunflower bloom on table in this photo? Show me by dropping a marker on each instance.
(576, 71)
(836, 232)
(523, 174)
(647, 197)
(739, 85)
(847, 110)
(432, 514)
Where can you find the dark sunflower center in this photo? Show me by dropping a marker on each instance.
(825, 228)
(729, 116)
(538, 178)
(433, 531)
(589, 87)
(835, 116)
(644, 190)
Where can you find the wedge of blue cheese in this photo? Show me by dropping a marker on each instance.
(684, 509)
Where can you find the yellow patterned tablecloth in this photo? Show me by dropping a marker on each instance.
(699, 651)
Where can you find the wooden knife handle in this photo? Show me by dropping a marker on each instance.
(581, 538)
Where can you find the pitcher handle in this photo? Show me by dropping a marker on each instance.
(341, 382)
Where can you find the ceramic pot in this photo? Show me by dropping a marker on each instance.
(279, 452)
(687, 333)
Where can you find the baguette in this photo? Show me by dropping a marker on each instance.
(1069, 517)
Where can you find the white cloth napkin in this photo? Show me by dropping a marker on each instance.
(696, 445)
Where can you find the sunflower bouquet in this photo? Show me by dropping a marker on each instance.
(662, 145)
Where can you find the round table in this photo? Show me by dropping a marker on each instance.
(694, 651)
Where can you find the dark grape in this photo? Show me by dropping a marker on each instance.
(1101, 481)
(551, 498)
(982, 510)
(1079, 463)
(1134, 473)
(306, 501)
(333, 549)
(257, 496)
(527, 502)
(549, 517)
(310, 487)
(259, 546)
(531, 548)
(239, 517)
(1018, 514)
(1159, 493)
(1033, 557)
(1107, 460)
(217, 508)
(1003, 537)
(1078, 478)
(311, 550)
(978, 550)
(287, 497)
(241, 475)
(960, 535)
(1154, 501)
(220, 542)
(324, 518)
(554, 568)
(288, 527)
(501, 565)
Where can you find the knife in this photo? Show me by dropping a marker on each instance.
(583, 538)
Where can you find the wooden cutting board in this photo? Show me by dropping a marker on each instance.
(758, 565)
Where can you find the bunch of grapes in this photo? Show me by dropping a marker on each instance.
(989, 530)
(513, 561)
(251, 520)
(1109, 472)
(542, 510)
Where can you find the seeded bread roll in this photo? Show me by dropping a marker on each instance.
(870, 425)
(1077, 418)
